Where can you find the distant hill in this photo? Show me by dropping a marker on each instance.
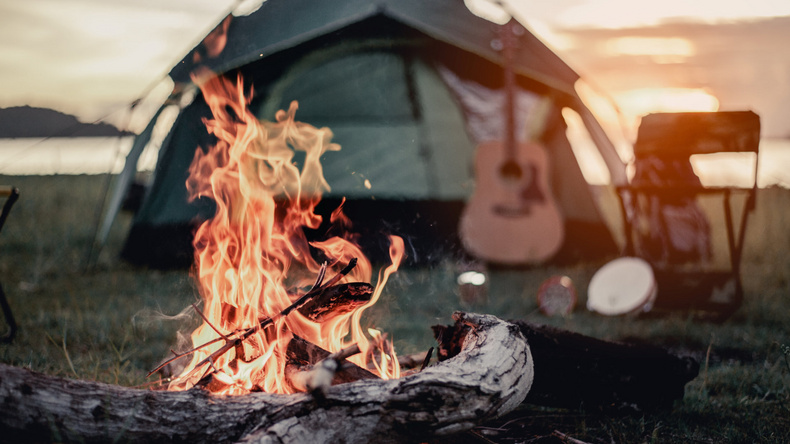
(26, 121)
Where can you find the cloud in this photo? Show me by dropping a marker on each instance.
(73, 54)
(745, 64)
(86, 56)
(630, 13)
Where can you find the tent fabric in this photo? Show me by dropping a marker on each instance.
(396, 122)
(380, 75)
(282, 24)
(483, 108)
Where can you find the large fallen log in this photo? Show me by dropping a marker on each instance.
(574, 370)
(489, 377)
(577, 371)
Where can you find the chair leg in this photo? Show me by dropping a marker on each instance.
(9, 317)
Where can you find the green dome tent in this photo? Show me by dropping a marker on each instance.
(408, 87)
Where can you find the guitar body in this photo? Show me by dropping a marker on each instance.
(511, 217)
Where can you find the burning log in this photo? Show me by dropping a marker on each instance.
(574, 370)
(332, 301)
(307, 360)
(490, 376)
(337, 300)
(421, 359)
(331, 369)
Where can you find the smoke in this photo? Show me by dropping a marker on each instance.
(150, 320)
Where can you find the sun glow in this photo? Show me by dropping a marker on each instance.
(660, 49)
(639, 102)
(490, 10)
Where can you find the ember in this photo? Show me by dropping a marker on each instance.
(260, 283)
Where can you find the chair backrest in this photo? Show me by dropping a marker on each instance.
(665, 135)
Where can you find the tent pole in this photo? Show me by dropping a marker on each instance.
(103, 224)
(93, 252)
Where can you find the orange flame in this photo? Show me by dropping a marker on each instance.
(252, 255)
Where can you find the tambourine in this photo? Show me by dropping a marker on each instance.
(623, 286)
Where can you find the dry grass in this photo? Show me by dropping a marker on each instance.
(114, 322)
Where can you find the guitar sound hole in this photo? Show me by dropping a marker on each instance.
(515, 212)
(511, 170)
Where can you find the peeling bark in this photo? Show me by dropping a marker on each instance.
(490, 376)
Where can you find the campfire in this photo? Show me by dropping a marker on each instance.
(268, 294)
(281, 329)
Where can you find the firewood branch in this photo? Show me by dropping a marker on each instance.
(234, 339)
(489, 377)
(318, 378)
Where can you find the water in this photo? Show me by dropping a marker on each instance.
(99, 155)
(77, 155)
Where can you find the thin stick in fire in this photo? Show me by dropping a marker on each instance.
(235, 338)
(318, 379)
(205, 319)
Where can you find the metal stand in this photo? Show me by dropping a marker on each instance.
(12, 194)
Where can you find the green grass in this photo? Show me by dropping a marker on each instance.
(114, 322)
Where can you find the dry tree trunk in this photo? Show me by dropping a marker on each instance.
(573, 370)
(489, 377)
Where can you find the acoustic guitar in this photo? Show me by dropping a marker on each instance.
(511, 217)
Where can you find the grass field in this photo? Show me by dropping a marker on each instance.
(114, 322)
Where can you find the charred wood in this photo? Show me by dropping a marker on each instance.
(317, 378)
(413, 360)
(303, 355)
(337, 300)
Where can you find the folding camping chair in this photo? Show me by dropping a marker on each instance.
(662, 219)
(11, 194)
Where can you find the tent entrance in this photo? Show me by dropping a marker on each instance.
(402, 136)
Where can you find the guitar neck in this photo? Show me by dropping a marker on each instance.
(507, 37)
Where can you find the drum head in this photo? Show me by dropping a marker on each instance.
(625, 285)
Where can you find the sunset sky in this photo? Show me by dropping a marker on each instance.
(91, 57)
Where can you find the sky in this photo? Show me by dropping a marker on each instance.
(91, 58)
